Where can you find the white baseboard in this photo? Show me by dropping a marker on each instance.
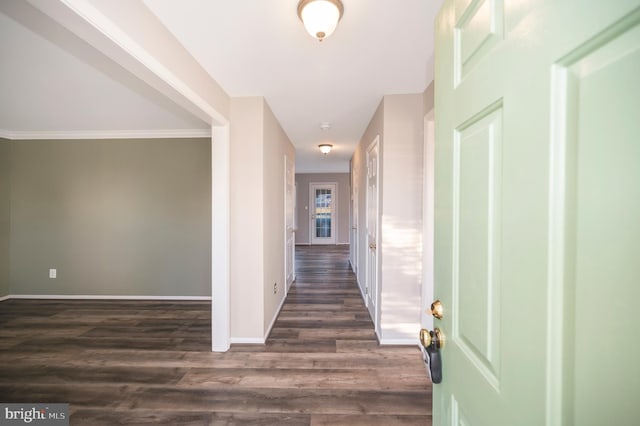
(3, 298)
(400, 342)
(273, 320)
(102, 297)
(247, 340)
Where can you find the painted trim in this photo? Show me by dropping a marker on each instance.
(427, 290)
(3, 298)
(220, 239)
(106, 134)
(364, 296)
(403, 342)
(273, 320)
(101, 297)
(247, 340)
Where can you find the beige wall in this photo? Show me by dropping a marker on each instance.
(302, 204)
(246, 205)
(5, 172)
(114, 217)
(258, 147)
(276, 146)
(399, 123)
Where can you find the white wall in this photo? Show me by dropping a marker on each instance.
(399, 123)
(401, 220)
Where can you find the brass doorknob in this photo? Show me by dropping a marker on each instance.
(437, 310)
(425, 337)
(436, 336)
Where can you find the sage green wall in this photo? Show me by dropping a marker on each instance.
(303, 209)
(5, 168)
(114, 217)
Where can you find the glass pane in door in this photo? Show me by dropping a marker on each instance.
(323, 213)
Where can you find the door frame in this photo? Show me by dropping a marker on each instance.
(428, 219)
(353, 214)
(292, 227)
(374, 295)
(334, 209)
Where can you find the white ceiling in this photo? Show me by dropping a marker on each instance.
(250, 47)
(49, 89)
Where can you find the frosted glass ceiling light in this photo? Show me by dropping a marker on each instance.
(320, 17)
(325, 148)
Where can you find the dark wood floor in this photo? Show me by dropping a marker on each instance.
(132, 362)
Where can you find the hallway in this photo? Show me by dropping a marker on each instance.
(324, 319)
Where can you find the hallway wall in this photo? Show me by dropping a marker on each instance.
(303, 219)
(399, 123)
(258, 146)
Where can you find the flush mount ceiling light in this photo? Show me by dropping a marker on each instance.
(325, 148)
(320, 17)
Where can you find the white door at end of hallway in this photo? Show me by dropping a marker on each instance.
(322, 219)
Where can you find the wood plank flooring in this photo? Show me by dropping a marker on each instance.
(149, 363)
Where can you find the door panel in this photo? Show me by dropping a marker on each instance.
(323, 213)
(537, 206)
(476, 210)
(603, 92)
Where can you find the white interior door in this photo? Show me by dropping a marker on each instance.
(323, 212)
(372, 230)
(289, 210)
(354, 220)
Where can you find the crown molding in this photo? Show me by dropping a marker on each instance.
(106, 134)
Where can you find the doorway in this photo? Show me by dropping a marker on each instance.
(323, 202)
(372, 231)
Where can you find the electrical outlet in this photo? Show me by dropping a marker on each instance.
(275, 288)
(53, 273)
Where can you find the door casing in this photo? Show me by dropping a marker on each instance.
(333, 186)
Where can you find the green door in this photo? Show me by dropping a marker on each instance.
(537, 239)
